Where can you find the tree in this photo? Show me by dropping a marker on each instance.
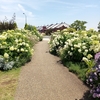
(26, 26)
(78, 25)
(30, 27)
(8, 25)
(71, 30)
(12, 23)
(99, 27)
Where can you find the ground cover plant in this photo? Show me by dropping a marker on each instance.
(73, 48)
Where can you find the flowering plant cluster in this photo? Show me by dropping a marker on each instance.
(74, 46)
(16, 48)
(57, 41)
(93, 77)
(80, 46)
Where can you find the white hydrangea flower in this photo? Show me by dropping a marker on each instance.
(20, 40)
(84, 53)
(66, 43)
(3, 37)
(18, 33)
(96, 50)
(72, 39)
(27, 44)
(22, 49)
(99, 36)
(84, 47)
(79, 50)
(4, 43)
(23, 43)
(79, 44)
(89, 56)
(70, 53)
(11, 48)
(17, 50)
(72, 48)
(86, 50)
(16, 40)
(57, 43)
(76, 46)
(84, 43)
(84, 59)
(6, 55)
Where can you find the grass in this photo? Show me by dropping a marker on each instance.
(8, 83)
(78, 68)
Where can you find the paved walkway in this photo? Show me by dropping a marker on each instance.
(44, 78)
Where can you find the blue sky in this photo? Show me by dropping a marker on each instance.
(51, 11)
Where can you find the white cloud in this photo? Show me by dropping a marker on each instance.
(3, 7)
(28, 13)
(73, 5)
(21, 7)
(8, 7)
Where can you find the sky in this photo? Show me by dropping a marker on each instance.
(46, 12)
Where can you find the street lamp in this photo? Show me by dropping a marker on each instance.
(25, 18)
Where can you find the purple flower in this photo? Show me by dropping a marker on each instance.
(98, 90)
(94, 78)
(91, 80)
(97, 56)
(94, 95)
(98, 95)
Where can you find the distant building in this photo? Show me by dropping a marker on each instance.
(52, 27)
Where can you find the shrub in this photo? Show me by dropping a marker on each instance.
(16, 48)
(75, 46)
(8, 25)
(4, 65)
(57, 41)
(93, 80)
(34, 31)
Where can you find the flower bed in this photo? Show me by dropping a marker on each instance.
(75, 47)
(16, 48)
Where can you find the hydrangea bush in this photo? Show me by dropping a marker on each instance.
(57, 41)
(93, 77)
(16, 48)
(74, 46)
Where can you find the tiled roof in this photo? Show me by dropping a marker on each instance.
(62, 24)
(55, 25)
(52, 26)
(58, 25)
(40, 27)
(49, 26)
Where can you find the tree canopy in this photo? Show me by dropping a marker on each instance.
(78, 25)
(99, 27)
(8, 25)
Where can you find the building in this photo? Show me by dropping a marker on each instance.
(52, 27)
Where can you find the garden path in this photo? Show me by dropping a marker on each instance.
(45, 78)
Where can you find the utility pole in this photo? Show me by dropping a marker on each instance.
(25, 18)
